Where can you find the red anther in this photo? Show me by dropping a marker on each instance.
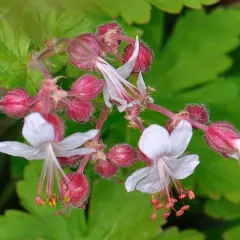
(182, 196)
(122, 155)
(87, 87)
(106, 169)
(166, 215)
(80, 111)
(154, 215)
(169, 205)
(191, 195)
(83, 51)
(154, 201)
(39, 201)
(159, 206)
(144, 59)
(173, 200)
(179, 213)
(185, 208)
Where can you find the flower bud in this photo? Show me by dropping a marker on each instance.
(108, 34)
(75, 190)
(87, 87)
(222, 137)
(197, 113)
(69, 161)
(16, 103)
(83, 51)
(57, 124)
(105, 169)
(80, 111)
(122, 155)
(144, 59)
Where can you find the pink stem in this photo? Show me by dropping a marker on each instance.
(139, 124)
(172, 115)
(83, 164)
(126, 39)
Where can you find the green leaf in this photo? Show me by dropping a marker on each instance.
(232, 234)
(222, 209)
(174, 234)
(175, 6)
(196, 51)
(14, 70)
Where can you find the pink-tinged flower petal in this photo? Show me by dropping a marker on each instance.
(141, 84)
(18, 149)
(77, 139)
(184, 166)
(60, 152)
(154, 141)
(106, 97)
(180, 138)
(37, 130)
(126, 69)
(138, 175)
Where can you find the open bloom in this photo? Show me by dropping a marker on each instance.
(168, 165)
(40, 135)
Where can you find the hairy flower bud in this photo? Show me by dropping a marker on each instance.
(69, 161)
(83, 51)
(75, 190)
(87, 87)
(122, 155)
(108, 34)
(15, 103)
(105, 169)
(80, 111)
(197, 113)
(57, 124)
(223, 138)
(144, 59)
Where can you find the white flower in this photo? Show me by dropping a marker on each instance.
(40, 135)
(168, 164)
(117, 87)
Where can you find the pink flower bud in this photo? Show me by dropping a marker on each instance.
(105, 169)
(75, 190)
(15, 103)
(108, 34)
(87, 87)
(122, 155)
(83, 51)
(144, 59)
(197, 113)
(57, 124)
(80, 111)
(69, 161)
(222, 137)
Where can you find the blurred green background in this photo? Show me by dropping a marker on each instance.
(197, 60)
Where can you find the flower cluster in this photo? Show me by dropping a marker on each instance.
(161, 148)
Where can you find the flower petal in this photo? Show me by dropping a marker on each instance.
(18, 149)
(180, 138)
(36, 130)
(126, 69)
(138, 175)
(60, 152)
(154, 141)
(106, 97)
(77, 139)
(141, 84)
(184, 166)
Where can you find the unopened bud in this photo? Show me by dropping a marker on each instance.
(57, 124)
(108, 34)
(15, 103)
(75, 190)
(122, 155)
(166, 215)
(83, 51)
(222, 137)
(191, 195)
(144, 59)
(106, 169)
(197, 113)
(80, 111)
(87, 87)
(69, 161)
(179, 213)
(185, 208)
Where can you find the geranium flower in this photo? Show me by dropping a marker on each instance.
(40, 136)
(169, 165)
